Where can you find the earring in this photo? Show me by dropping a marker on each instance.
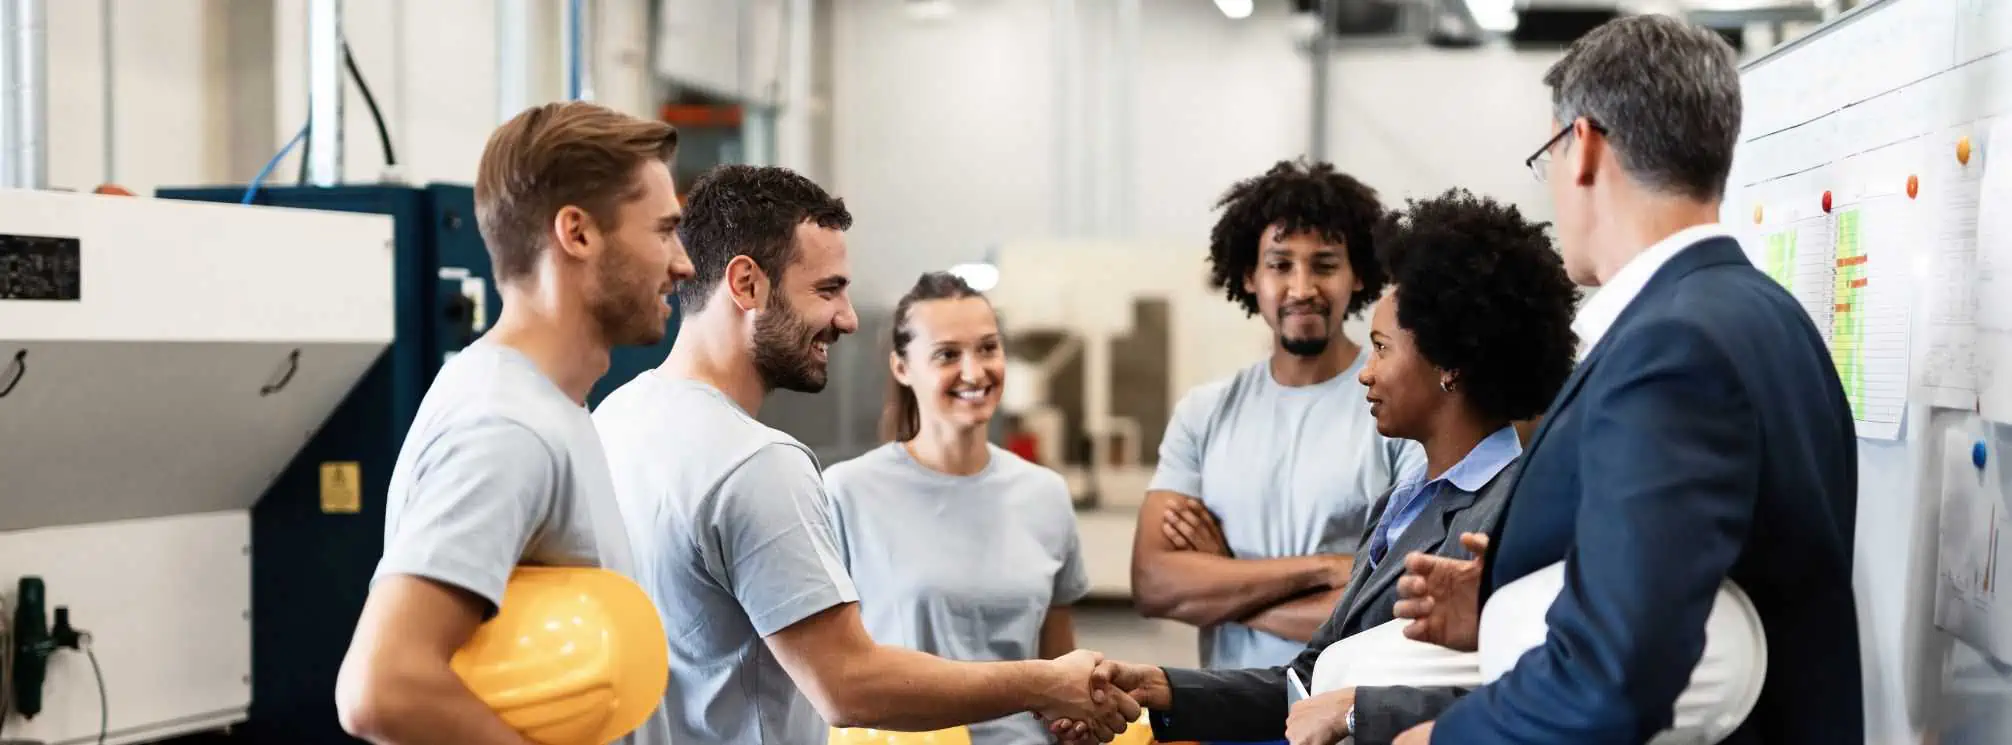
(1445, 386)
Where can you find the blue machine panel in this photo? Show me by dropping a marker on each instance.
(311, 570)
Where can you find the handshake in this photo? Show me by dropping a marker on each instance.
(1096, 698)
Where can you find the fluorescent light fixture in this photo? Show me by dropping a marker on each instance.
(929, 10)
(1235, 9)
(1493, 15)
(981, 276)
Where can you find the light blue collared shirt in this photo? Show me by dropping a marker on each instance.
(1412, 493)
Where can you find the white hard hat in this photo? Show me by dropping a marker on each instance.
(1722, 690)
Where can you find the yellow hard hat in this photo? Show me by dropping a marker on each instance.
(575, 656)
(864, 736)
(1139, 733)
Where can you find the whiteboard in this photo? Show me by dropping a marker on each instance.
(1848, 188)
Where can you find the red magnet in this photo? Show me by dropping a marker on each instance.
(1913, 186)
(1826, 202)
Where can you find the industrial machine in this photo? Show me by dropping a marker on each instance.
(320, 525)
(202, 404)
(163, 366)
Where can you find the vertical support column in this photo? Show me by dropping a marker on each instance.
(1068, 197)
(9, 141)
(25, 155)
(1125, 123)
(325, 92)
(108, 57)
(513, 58)
(577, 48)
(794, 122)
(1323, 46)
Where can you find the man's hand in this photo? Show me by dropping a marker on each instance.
(1442, 596)
(1419, 735)
(1321, 720)
(1079, 689)
(1189, 526)
(1144, 684)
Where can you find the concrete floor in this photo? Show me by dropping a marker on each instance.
(1121, 633)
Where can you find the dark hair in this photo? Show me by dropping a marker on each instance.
(1299, 197)
(1484, 297)
(752, 211)
(553, 156)
(1667, 93)
(900, 417)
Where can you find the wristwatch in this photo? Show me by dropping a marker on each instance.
(1348, 720)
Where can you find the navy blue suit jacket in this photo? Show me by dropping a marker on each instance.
(1705, 436)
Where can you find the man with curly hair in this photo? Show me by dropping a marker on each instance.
(1250, 524)
(1474, 336)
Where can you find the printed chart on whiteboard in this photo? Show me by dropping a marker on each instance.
(1869, 318)
(1845, 269)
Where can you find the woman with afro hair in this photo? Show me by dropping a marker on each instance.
(1474, 336)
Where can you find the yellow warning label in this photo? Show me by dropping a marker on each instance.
(341, 487)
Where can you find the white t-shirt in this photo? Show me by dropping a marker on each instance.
(961, 567)
(502, 468)
(728, 517)
(1290, 471)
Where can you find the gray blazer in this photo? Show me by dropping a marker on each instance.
(1250, 705)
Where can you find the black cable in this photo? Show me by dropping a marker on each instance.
(104, 703)
(383, 134)
(306, 149)
(6, 676)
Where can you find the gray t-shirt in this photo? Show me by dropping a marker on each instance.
(728, 519)
(501, 468)
(1290, 471)
(961, 567)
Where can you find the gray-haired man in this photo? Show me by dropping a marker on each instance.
(1704, 437)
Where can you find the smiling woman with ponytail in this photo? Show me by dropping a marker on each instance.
(959, 548)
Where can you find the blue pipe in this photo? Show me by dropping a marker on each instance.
(575, 61)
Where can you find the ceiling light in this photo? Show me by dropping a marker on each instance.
(981, 276)
(1235, 9)
(929, 10)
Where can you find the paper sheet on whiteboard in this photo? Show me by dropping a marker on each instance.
(1948, 376)
(1974, 549)
(1994, 274)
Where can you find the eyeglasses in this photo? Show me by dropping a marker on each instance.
(1540, 160)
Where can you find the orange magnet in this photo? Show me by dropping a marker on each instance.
(1913, 186)
(1963, 150)
(1757, 214)
(1826, 201)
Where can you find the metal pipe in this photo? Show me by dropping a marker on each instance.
(1125, 93)
(513, 58)
(109, 58)
(578, 49)
(1323, 47)
(324, 92)
(793, 125)
(8, 146)
(1065, 108)
(25, 155)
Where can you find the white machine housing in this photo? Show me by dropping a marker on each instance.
(209, 342)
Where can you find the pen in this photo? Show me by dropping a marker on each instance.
(1298, 688)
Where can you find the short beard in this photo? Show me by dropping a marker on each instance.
(1302, 347)
(625, 315)
(782, 351)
